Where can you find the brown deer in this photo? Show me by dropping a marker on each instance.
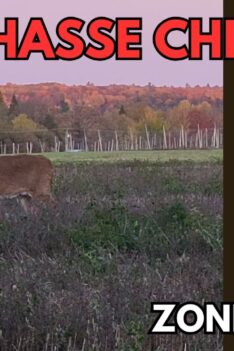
(26, 177)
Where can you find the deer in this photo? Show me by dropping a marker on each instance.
(26, 177)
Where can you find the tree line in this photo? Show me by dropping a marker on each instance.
(46, 112)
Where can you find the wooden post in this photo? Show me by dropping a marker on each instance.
(164, 138)
(100, 140)
(201, 139)
(214, 137)
(180, 140)
(116, 141)
(86, 142)
(182, 137)
(66, 141)
(29, 147)
(58, 145)
(132, 140)
(217, 138)
(206, 138)
(147, 137)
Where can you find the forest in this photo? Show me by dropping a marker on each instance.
(46, 111)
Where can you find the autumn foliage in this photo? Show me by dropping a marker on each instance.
(51, 107)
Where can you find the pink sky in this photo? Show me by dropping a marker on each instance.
(153, 68)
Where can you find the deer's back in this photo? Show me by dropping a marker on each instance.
(25, 174)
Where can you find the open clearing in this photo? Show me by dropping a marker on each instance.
(82, 275)
(153, 156)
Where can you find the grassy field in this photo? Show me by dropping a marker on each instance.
(81, 276)
(153, 156)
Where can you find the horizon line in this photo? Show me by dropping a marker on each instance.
(186, 85)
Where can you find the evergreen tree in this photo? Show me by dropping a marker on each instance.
(122, 110)
(14, 107)
(64, 107)
(3, 108)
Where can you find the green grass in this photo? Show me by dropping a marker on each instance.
(153, 156)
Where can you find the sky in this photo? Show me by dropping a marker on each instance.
(153, 68)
